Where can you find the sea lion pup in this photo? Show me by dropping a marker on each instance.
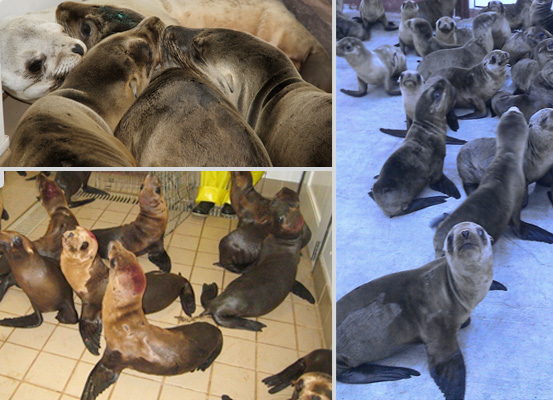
(476, 156)
(313, 385)
(470, 54)
(477, 85)
(498, 200)
(40, 278)
(182, 120)
(292, 118)
(433, 10)
(518, 14)
(36, 56)
(501, 30)
(145, 233)
(403, 176)
(423, 38)
(346, 27)
(71, 181)
(538, 96)
(524, 72)
(73, 126)
(269, 20)
(131, 342)
(447, 32)
(88, 276)
(372, 11)
(521, 44)
(381, 66)
(319, 360)
(264, 286)
(426, 305)
(409, 10)
(541, 14)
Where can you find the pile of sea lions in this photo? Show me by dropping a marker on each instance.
(148, 83)
(505, 66)
(101, 267)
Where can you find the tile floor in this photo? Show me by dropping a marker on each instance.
(50, 362)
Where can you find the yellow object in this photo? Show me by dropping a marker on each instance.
(215, 186)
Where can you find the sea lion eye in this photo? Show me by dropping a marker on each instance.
(348, 48)
(35, 66)
(158, 190)
(493, 60)
(84, 246)
(550, 45)
(437, 95)
(480, 232)
(17, 242)
(281, 219)
(112, 262)
(86, 29)
(450, 243)
(141, 186)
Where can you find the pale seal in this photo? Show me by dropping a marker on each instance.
(447, 32)
(409, 10)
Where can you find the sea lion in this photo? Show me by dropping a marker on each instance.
(423, 39)
(372, 11)
(319, 360)
(447, 32)
(347, 27)
(88, 276)
(538, 96)
(36, 56)
(145, 233)
(432, 10)
(403, 176)
(381, 66)
(131, 342)
(475, 157)
(292, 118)
(313, 385)
(73, 126)
(409, 10)
(541, 14)
(269, 20)
(521, 44)
(497, 201)
(262, 288)
(182, 120)
(40, 278)
(426, 305)
(524, 72)
(3, 213)
(71, 181)
(501, 30)
(466, 56)
(477, 85)
(518, 14)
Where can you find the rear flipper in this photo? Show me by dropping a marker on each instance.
(302, 292)
(356, 93)
(78, 203)
(104, 374)
(370, 373)
(161, 260)
(7, 282)
(238, 322)
(422, 203)
(91, 331)
(450, 377)
(187, 299)
(497, 286)
(27, 321)
(284, 378)
(533, 233)
(445, 186)
(209, 292)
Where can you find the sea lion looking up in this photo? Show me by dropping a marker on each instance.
(409, 10)
(426, 305)
(423, 39)
(447, 32)
(501, 30)
(381, 66)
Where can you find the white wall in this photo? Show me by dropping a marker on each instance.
(18, 7)
(288, 176)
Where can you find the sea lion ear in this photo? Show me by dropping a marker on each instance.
(230, 82)
(133, 84)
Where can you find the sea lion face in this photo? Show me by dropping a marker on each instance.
(92, 23)
(285, 211)
(445, 25)
(496, 61)
(420, 27)
(126, 277)
(542, 121)
(534, 35)
(547, 73)
(36, 56)
(409, 6)
(150, 196)
(14, 244)
(469, 244)
(348, 47)
(410, 80)
(80, 244)
(437, 98)
(313, 386)
(50, 193)
(496, 6)
(544, 51)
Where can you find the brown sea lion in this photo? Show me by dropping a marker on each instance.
(313, 385)
(40, 278)
(292, 118)
(145, 233)
(423, 38)
(131, 342)
(4, 214)
(71, 181)
(265, 285)
(447, 32)
(88, 276)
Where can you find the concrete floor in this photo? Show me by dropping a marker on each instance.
(507, 346)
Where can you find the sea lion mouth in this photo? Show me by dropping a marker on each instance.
(446, 28)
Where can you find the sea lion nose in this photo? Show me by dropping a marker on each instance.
(465, 234)
(78, 49)
(70, 234)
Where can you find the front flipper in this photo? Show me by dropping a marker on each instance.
(400, 133)
(370, 373)
(533, 233)
(238, 323)
(422, 203)
(302, 292)
(447, 366)
(161, 260)
(445, 186)
(90, 333)
(497, 286)
(187, 299)
(284, 378)
(78, 203)
(104, 374)
(27, 321)
(357, 93)
(452, 121)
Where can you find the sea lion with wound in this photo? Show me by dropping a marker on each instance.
(132, 342)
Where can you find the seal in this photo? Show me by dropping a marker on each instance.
(433, 10)
(346, 27)
(497, 201)
(41, 280)
(477, 85)
(269, 20)
(71, 181)
(391, 313)
(518, 14)
(145, 233)
(404, 175)
(372, 11)
(447, 32)
(183, 120)
(538, 96)
(379, 67)
(541, 14)
(262, 288)
(132, 342)
(292, 118)
(36, 56)
(88, 276)
(319, 360)
(409, 10)
(470, 54)
(524, 72)
(521, 44)
(501, 30)
(423, 38)
(475, 157)
(313, 385)
(73, 126)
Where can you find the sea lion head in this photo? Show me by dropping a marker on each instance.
(512, 132)
(51, 195)
(543, 52)
(92, 23)
(349, 47)
(438, 98)
(483, 23)
(80, 244)
(546, 74)
(420, 27)
(36, 56)
(151, 195)
(285, 210)
(126, 277)
(410, 7)
(496, 61)
(313, 386)
(445, 25)
(468, 243)
(410, 80)
(534, 35)
(542, 121)
(539, 156)
(495, 6)
(14, 244)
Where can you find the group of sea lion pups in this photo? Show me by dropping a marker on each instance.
(148, 94)
(117, 295)
(428, 305)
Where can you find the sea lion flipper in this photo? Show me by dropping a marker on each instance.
(400, 133)
(454, 141)
(234, 322)
(209, 292)
(497, 286)
(5, 215)
(284, 378)
(466, 323)
(534, 233)
(445, 186)
(161, 260)
(421, 203)
(449, 374)
(78, 203)
(7, 282)
(104, 374)
(357, 93)
(187, 298)
(91, 331)
(302, 292)
(27, 321)
(370, 373)
(452, 121)
(470, 187)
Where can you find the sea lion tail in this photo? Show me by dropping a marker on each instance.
(209, 292)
